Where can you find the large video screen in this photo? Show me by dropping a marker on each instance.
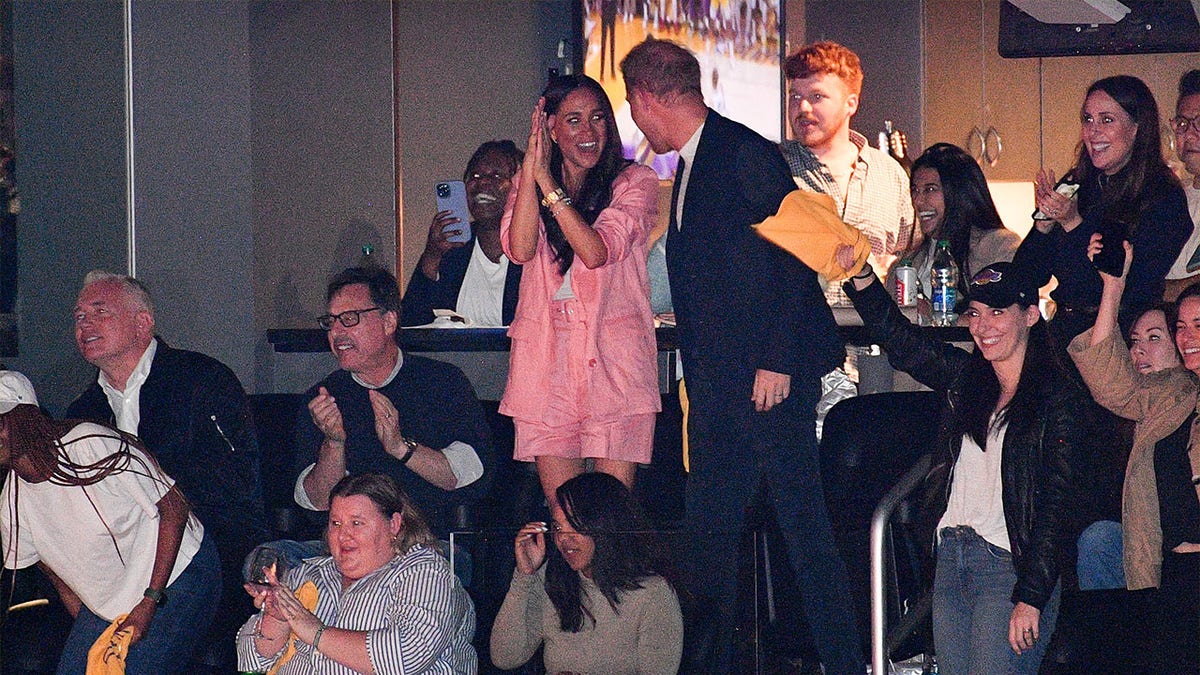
(738, 45)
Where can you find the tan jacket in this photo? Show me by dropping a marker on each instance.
(1159, 403)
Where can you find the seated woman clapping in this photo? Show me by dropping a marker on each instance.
(385, 601)
(596, 600)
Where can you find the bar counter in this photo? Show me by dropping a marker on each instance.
(482, 353)
(312, 340)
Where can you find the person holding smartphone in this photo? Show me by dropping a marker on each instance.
(1160, 505)
(582, 381)
(469, 274)
(1126, 189)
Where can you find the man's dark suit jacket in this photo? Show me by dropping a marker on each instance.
(424, 295)
(742, 303)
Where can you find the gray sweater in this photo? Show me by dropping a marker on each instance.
(645, 636)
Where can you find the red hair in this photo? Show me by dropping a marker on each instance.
(824, 57)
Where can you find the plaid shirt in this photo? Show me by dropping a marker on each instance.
(877, 199)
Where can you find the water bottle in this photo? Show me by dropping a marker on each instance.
(944, 283)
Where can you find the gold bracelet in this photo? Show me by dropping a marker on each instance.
(553, 198)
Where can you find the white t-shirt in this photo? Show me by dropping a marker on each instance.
(78, 531)
(977, 490)
(481, 296)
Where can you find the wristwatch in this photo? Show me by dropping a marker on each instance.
(412, 447)
(158, 595)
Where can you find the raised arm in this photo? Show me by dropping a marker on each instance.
(324, 429)
(1110, 297)
(928, 359)
(523, 230)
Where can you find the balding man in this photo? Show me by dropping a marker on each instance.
(191, 412)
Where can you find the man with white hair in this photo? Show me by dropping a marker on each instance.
(191, 412)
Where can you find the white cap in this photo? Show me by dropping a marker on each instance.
(15, 390)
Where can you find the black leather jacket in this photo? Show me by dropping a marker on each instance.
(1040, 467)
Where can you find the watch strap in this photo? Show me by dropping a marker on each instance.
(158, 595)
(412, 447)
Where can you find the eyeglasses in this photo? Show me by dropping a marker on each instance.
(1181, 124)
(348, 318)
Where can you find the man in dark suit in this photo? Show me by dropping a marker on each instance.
(193, 415)
(756, 336)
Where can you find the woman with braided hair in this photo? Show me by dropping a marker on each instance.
(92, 510)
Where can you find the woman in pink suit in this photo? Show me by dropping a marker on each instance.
(583, 380)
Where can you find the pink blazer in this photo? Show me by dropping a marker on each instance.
(620, 367)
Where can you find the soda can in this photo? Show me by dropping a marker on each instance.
(906, 286)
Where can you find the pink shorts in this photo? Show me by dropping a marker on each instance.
(567, 428)
(629, 439)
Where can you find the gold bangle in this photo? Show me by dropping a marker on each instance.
(553, 198)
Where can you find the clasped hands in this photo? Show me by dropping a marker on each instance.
(325, 414)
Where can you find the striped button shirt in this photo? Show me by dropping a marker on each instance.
(416, 614)
(876, 200)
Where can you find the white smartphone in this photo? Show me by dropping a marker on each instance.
(452, 196)
(1063, 188)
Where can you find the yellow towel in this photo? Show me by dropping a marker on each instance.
(108, 652)
(808, 226)
(685, 405)
(307, 594)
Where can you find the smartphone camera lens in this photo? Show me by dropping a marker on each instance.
(443, 190)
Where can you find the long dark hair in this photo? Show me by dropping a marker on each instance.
(1138, 182)
(596, 191)
(968, 202)
(1042, 364)
(34, 434)
(601, 507)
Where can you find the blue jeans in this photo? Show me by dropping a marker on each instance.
(972, 587)
(175, 631)
(1100, 564)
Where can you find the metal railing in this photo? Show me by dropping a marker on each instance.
(880, 525)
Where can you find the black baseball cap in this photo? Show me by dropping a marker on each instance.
(1003, 284)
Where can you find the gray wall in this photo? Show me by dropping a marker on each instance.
(886, 35)
(323, 161)
(191, 75)
(69, 105)
(265, 155)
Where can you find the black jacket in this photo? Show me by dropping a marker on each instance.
(424, 295)
(1041, 464)
(195, 420)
